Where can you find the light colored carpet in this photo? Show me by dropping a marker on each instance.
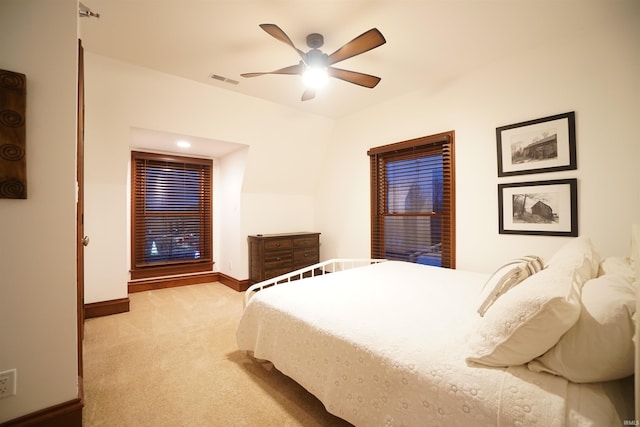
(172, 360)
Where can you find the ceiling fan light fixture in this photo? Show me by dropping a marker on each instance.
(316, 67)
(315, 77)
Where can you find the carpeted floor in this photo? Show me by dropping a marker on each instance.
(172, 360)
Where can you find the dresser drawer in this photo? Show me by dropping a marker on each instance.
(278, 244)
(303, 257)
(305, 242)
(268, 274)
(275, 259)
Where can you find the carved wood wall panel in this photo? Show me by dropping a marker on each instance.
(13, 160)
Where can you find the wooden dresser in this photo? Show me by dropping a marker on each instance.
(271, 255)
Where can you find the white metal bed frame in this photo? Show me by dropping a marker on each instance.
(319, 269)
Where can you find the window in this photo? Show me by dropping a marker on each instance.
(412, 201)
(170, 215)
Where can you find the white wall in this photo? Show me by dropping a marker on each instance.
(37, 248)
(274, 192)
(596, 74)
(228, 203)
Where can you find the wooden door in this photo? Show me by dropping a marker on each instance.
(81, 240)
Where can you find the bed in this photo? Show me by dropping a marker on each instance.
(402, 344)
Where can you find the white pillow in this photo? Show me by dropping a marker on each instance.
(619, 266)
(579, 254)
(599, 347)
(528, 320)
(506, 277)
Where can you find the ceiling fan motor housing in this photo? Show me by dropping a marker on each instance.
(316, 59)
(315, 40)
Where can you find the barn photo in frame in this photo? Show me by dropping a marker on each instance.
(536, 146)
(541, 208)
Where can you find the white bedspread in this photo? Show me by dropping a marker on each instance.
(384, 345)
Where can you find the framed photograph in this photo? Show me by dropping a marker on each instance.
(547, 208)
(536, 146)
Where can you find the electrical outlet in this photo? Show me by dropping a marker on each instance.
(8, 383)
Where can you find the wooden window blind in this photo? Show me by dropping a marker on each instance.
(413, 200)
(171, 206)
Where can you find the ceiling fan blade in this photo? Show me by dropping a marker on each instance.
(364, 42)
(308, 94)
(275, 31)
(354, 77)
(293, 69)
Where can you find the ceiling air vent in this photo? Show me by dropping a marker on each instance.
(223, 79)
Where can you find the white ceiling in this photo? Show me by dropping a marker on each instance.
(167, 142)
(429, 42)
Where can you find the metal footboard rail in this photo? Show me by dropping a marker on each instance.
(319, 269)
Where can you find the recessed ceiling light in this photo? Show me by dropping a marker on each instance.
(183, 144)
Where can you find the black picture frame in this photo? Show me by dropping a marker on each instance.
(537, 146)
(547, 208)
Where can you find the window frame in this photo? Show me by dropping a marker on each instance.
(205, 263)
(441, 143)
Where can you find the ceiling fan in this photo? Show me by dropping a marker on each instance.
(319, 65)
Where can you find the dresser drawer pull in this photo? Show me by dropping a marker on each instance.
(278, 244)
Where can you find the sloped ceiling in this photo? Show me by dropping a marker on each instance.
(429, 42)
